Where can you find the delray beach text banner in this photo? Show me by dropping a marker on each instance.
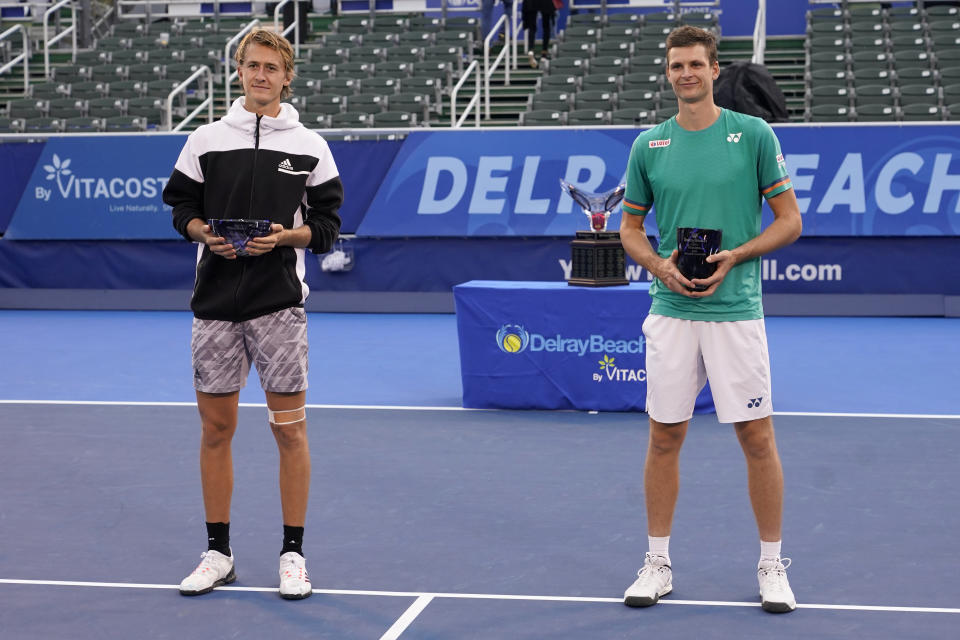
(849, 181)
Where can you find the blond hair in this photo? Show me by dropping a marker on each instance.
(273, 41)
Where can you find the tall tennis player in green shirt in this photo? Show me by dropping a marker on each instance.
(708, 168)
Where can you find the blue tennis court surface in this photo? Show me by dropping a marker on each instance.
(431, 522)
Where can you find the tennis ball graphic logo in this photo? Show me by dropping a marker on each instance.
(512, 343)
(512, 338)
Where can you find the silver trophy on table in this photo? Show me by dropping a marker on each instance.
(597, 257)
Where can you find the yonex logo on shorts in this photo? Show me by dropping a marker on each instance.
(754, 402)
(659, 143)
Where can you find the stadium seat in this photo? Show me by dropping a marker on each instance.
(149, 108)
(395, 119)
(923, 94)
(876, 113)
(366, 103)
(106, 108)
(588, 117)
(326, 102)
(11, 125)
(614, 47)
(542, 118)
(83, 125)
(49, 90)
(384, 85)
(830, 113)
(125, 123)
(351, 120)
(595, 100)
(874, 94)
(63, 108)
(915, 75)
(566, 66)
(606, 81)
(633, 116)
(552, 100)
(828, 94)
(637, 99)
(921, 112)
(559, 81)
(609, 64)
(27, 108)
(43, 125)
(593, 19)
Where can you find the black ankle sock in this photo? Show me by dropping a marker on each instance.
(218, 537)
(292, 539)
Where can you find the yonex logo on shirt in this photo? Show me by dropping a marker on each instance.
(734, 137)
(659, 143)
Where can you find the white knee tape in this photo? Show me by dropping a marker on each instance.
(298, 415)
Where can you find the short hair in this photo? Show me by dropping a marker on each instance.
(273, 41)
(688, 36)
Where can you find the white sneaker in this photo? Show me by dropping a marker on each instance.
(775, 593)
(215, 569)
(294, 581)
(655, 579)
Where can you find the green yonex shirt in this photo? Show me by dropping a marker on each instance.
(711, 179)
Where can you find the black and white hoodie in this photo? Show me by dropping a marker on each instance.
(257, 167)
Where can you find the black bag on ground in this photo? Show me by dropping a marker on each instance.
(749, 88)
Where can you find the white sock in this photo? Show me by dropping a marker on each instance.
(769, 550)
(660, 546)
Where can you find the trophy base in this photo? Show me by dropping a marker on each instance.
(597, 260)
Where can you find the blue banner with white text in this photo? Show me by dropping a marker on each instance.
(849, 181)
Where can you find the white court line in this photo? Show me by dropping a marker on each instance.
(484, 596)
(407, 618)
(120, 403)
(375, 407)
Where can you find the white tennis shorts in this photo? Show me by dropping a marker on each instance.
(683, 354)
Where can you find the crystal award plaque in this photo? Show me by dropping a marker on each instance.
(239, 231)
(694, 245)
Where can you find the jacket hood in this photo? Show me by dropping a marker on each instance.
(246, 121)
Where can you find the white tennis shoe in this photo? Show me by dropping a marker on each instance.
(775, 593)
(654, 580)
(214, 570)
(294, 581)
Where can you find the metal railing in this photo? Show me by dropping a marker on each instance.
(295, 25)
(69, 31)
(181, 88)
(23, 57)
(760, 33)
(504, 55)
(474, 101)
(228, 77)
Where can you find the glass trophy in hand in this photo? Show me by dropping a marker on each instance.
(239, 232)
(693, 246)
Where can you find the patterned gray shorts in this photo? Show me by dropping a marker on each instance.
(276, 344)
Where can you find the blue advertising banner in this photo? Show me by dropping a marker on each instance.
(73, 188)
(495, 183)
(543, 345)
(849, 181)
(85, 188)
